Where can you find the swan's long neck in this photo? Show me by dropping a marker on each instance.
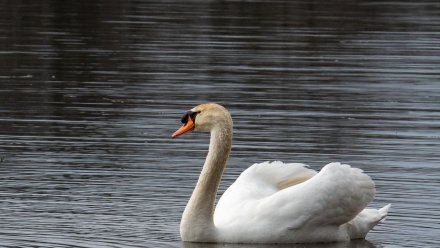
(197, 221)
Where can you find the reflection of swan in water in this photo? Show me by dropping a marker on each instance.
(273, 202)
(349, 244)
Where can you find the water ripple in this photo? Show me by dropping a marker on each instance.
(90, 94)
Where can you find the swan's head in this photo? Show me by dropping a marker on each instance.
(205, 118)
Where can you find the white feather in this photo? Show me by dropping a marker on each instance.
(314, 208)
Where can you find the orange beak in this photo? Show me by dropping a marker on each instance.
(188, 126)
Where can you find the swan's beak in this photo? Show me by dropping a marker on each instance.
(186, 127)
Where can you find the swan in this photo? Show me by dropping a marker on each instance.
(272, 202)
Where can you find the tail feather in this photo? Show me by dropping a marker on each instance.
(384, 212)
(365, 221)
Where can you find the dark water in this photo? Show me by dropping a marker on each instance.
(91, 91)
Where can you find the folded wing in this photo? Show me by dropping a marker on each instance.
(292, 196)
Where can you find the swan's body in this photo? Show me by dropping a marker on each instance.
(273, 202)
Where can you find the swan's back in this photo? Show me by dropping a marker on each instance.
(276, 202)
(260, 181)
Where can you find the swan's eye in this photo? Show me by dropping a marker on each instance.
(184, 118)
(189, 114)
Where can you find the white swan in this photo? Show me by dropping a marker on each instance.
(273, 202)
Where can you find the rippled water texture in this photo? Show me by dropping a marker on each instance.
(91, 91)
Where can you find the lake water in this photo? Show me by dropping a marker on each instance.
(90, 92)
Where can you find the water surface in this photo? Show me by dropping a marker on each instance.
(90, 93)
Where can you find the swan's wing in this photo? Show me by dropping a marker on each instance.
(333, 197)
(256, 183)
(278, 174)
